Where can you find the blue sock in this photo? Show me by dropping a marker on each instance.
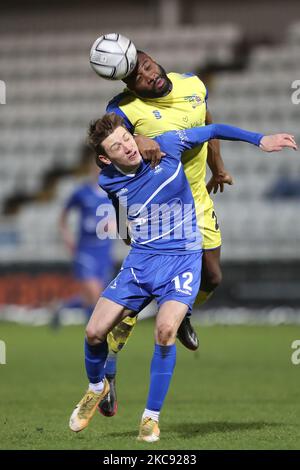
(162, 367)
(95, 357)
(111, 364)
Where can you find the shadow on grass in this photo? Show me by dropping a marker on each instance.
(124, 433)
(203, 429)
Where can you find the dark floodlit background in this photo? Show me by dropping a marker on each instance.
(248, 55)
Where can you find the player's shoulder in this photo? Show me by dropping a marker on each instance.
(175, 76)
(76, 196)
(119, 100)
(79, 190)
(106, 177)
(168, 141)
(181, 78)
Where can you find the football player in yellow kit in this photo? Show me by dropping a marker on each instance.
(155, 102)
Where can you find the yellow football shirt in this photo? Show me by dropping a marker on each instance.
(182, 108)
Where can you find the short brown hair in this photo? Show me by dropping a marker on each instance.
(100, 129)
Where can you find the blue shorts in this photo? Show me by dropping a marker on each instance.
(92, 263)
(144, 277)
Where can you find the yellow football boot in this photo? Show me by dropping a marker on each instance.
(86, 408)
(149, 430)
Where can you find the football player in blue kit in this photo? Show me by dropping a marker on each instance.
(164, 262)
(93, 263)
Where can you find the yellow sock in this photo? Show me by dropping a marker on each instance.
(119, 336)
(203, 296)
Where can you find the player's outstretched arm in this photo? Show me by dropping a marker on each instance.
(277, 142)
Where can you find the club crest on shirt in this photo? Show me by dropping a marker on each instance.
(194, 99)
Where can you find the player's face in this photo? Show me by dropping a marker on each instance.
(122, 150)
(149, 80)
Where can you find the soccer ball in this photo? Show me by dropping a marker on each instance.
(113, 56)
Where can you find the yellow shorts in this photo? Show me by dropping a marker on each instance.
(208, 224)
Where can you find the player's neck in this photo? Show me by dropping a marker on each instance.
(128, 171)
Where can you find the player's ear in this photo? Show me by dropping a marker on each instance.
(103, 159)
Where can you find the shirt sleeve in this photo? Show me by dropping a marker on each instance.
(102, 181)
(113, 107)
(186, 139)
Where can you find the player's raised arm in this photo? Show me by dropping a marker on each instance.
(190, 138)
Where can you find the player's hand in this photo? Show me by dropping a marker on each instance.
(277, 142)
(217, 182)
(149, 149)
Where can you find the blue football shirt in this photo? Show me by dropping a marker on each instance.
(159, 203)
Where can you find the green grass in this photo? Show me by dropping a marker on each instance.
(240, 391)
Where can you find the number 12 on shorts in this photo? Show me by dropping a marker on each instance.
(183, 281)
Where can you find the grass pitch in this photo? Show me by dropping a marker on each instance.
(240, 391)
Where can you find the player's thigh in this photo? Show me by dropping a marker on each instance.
(209, 226)
(128, 288)
(179, 279)
(211, 275)
(105, 316)
(168, 320)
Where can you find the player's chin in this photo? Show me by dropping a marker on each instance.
(134, 160)
(160, 85)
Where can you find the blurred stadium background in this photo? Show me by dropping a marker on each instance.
(248, 55)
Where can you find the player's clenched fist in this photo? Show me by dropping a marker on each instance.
(149, 149)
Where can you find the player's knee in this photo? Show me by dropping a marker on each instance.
(165, 334)
(93, 335)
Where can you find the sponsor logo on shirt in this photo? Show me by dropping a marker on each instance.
(184, 291)
(158, 169)
(157, 114)
(182, 135)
